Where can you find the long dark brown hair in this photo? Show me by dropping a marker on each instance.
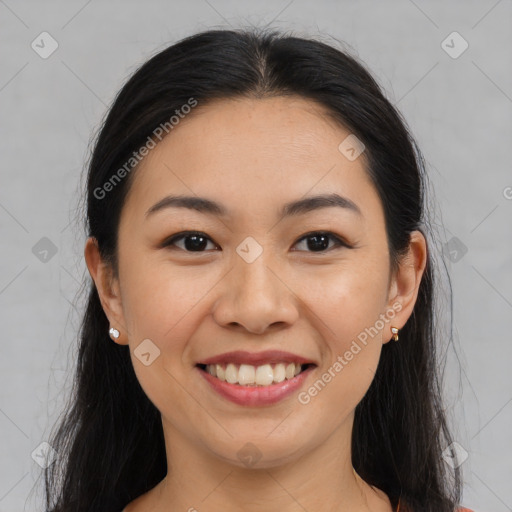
(110, 441)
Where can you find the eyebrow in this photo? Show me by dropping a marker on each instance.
(299, 207)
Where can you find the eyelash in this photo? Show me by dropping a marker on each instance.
(339, 241)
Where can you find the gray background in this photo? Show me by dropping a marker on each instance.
(459, 110)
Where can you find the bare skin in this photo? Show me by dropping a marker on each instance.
(253, 156)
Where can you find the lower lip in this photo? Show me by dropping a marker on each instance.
(256, 395)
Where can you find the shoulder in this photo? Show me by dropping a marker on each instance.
(462, 509)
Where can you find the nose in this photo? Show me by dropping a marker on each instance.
(256, 297)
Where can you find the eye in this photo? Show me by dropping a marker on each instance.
(195, 241)
(319, 241)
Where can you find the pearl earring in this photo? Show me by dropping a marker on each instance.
(114, 333)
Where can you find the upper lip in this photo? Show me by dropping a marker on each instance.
(256, 358)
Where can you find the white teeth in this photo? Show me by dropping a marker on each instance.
(231, 373)
(279, 373)
(220, 373)
(264, 375)
(248, 375)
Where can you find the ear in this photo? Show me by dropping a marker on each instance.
(403, 290)
(107, 287)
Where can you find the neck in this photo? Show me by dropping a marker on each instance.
(320, 479)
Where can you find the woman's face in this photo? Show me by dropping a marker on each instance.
(252, 282)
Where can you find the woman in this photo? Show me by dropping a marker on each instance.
(259, 333)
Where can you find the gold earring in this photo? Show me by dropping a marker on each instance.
(394, 330)
(114, 333)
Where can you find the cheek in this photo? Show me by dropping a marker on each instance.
(159, 301)
(341, 387)
(352, 303)
(163, 305)
(347, 306)
(347, 300)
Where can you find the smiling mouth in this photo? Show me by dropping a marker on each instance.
(254, 376)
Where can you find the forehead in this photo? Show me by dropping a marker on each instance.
(251, 152)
